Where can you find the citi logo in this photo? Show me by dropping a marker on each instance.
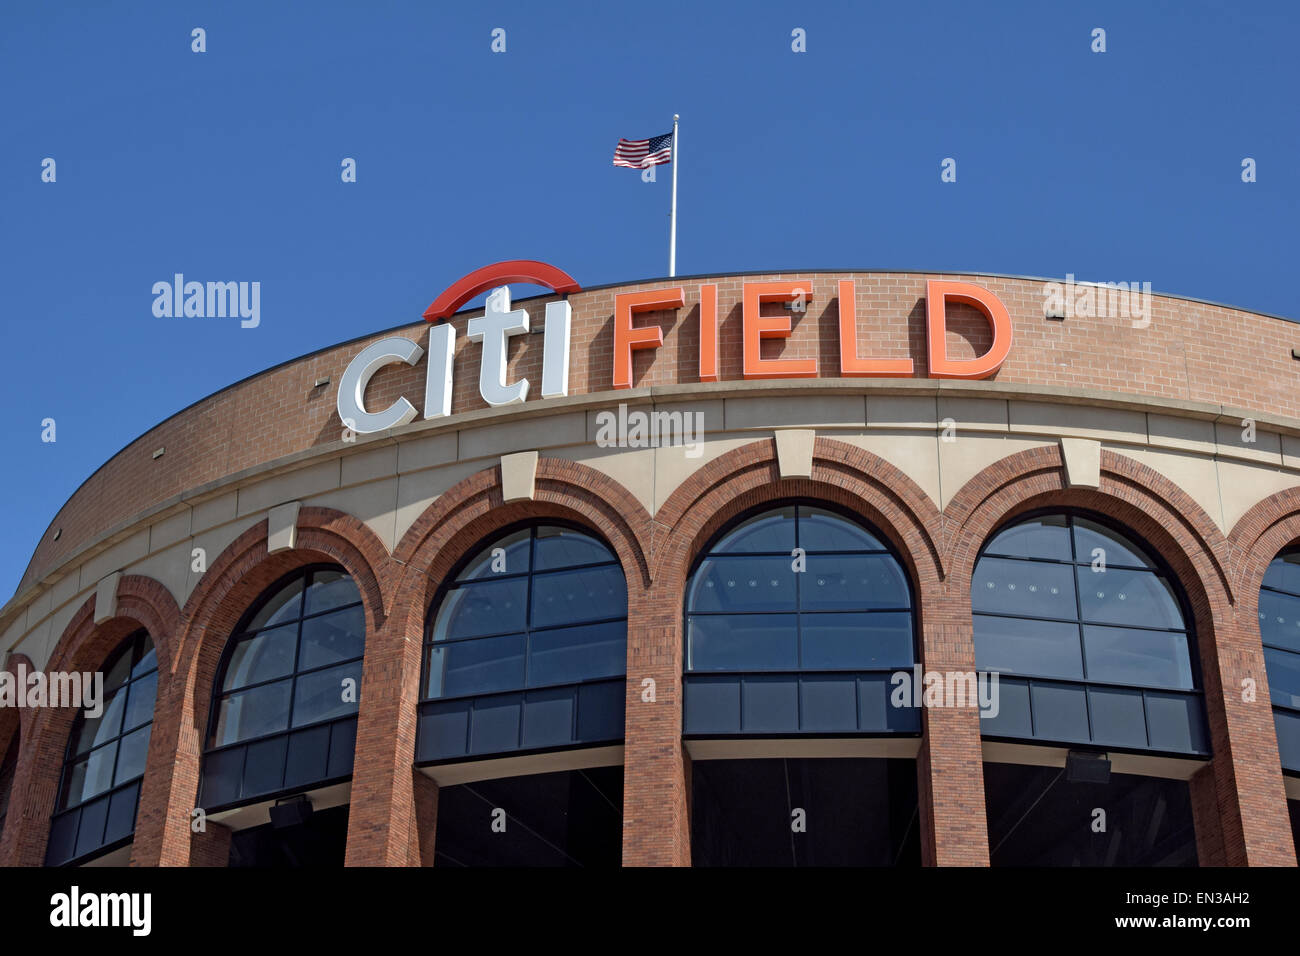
(76, 909)
(211, 300)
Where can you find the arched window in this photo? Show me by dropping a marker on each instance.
(105, 757)
(526, 648)
(1279, 627)
(285, 700)
(1090, 637)
(795, 620)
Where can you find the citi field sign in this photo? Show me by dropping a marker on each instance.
(499, 322)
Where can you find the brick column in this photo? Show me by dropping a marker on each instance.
(212, 847)
(656, 827)
(384, 820)
(169, 791)
(1206, 819)
(426, 815)
(1254, 826)
(950, 767)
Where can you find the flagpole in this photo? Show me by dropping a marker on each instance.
(672, 240)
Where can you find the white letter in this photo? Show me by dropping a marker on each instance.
(494, 329)
(352, 387)
(437, 381)
(555, 350)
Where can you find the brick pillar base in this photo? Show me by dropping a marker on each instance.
(656, 819)
(950, 767)
(426, 816)
(383, 818)
(212, 847)
(1206, 819)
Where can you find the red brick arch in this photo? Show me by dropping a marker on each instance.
(142, 602)
(14, 724)
(1259, 536)
(392, 820)
(1139, 498)
(473, 509)
(749, 477)
(232, 583)
(716, 494)
(1241, 812)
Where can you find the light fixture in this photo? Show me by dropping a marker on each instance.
(291, 811)
(1081, 767)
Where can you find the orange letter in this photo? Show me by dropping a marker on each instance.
(936, 328)
(627, 338)
(708, 333)
(850, 364)
(757, 328)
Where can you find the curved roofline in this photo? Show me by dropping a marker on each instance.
(596, 288)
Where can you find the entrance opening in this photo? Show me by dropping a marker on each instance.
(805, 812)
(319, 841)
(568, 818)
(1294, 807)
(1038, 818)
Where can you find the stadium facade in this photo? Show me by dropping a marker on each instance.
(794, 568)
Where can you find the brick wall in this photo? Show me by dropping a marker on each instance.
(1190, 351)
(1238, 800)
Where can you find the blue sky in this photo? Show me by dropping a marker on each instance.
(225, 166)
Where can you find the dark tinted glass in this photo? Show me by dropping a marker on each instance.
(1039, 648)
(852, 582)
(284, 605)
(790, 612)
(563, 597)
(483, 607)
(252, 713)
(1283, 573)
(118, 671)
(140, 700)
(1027, 588)
(131, 754)
(331, 638)
(1283, 677)
(1046, 537)
(93, 731)
(562, 548)
(477, 667)
(825, 531)
(148, 658)
(330, 589)
(574, 654)
(856, 641)
(1279, 619)
(91, 775)
(262, 657)
(1129, 656)
(773, 531)
(326, 694)
(510, 555)
(1109, 617)
(1119, 596)
(553, 612)
(1095, 544)
(731, 584)
(95, 780)
(743, 642)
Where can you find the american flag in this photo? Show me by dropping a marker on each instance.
(641, 153)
